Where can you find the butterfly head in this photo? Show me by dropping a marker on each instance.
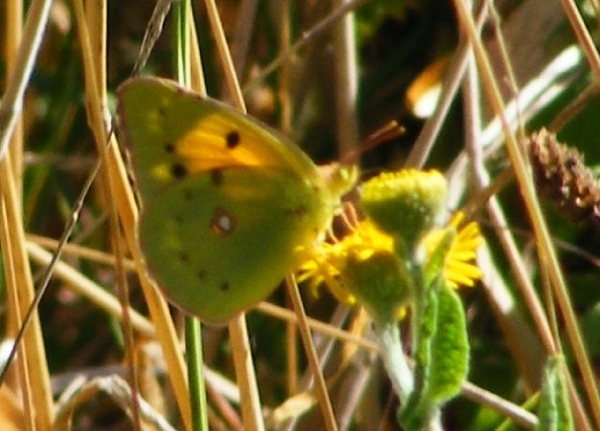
(340, 178)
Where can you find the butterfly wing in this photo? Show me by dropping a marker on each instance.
(173, 134)
(226, 201)
(220, 241)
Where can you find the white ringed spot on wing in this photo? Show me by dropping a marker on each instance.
(222, 223)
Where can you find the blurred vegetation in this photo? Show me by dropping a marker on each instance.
(396, 42)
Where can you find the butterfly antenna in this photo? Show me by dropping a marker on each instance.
(385, 133)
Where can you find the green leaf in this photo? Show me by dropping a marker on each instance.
(441, 359)
(450, 348)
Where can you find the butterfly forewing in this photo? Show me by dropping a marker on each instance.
(174, 133)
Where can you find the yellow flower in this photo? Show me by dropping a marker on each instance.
(364, 266)
(329, 261)
(459, 267)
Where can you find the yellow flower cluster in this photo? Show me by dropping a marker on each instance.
(368, 258)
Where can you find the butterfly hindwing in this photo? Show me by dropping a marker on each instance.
(222, 240)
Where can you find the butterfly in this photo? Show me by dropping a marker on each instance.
(227, 204)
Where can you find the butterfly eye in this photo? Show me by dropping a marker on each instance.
(222, 223)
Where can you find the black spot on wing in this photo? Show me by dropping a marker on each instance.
(224, 287)
(298, 211)
(178, 171)
(232, 139)
(169, 148)
(216, 177)
(188, 195)
(184, 257)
